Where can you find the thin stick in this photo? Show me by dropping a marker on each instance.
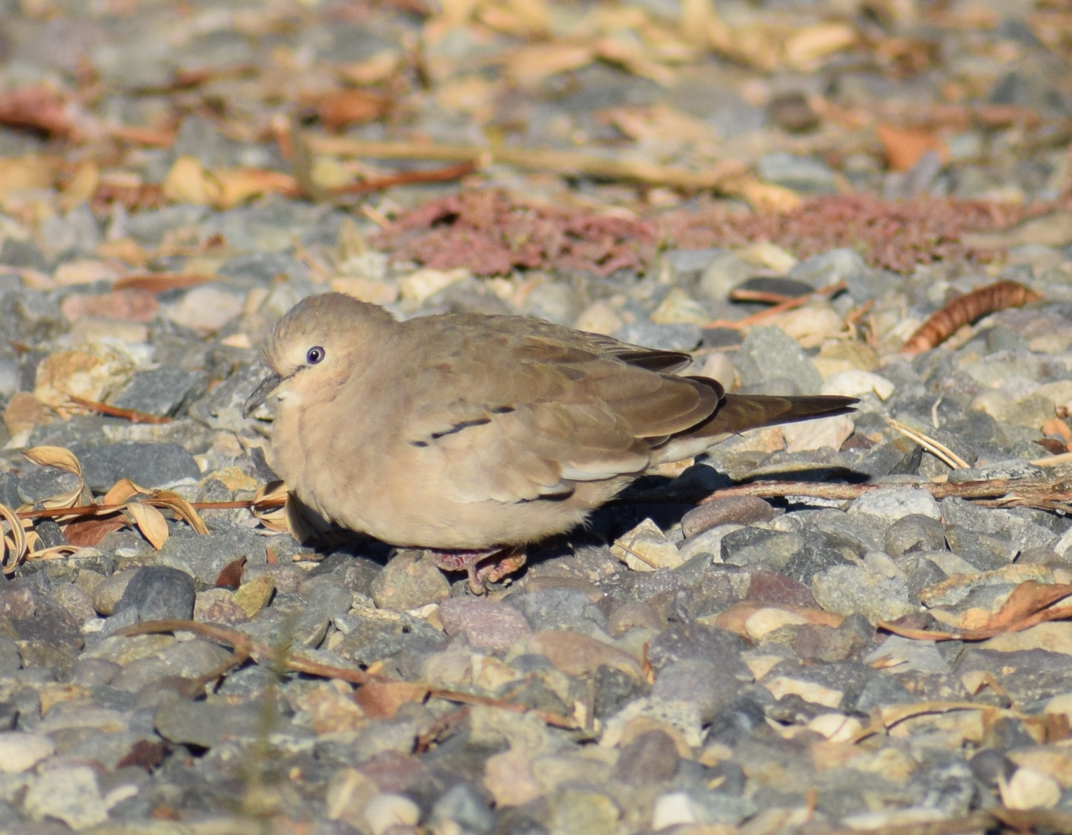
(440, 175)
(566, 163)
(781, 307)
(132, 415)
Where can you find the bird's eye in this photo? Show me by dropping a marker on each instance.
(315, 355)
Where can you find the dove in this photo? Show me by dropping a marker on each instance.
(474, 436)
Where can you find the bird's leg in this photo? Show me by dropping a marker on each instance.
(481, 566)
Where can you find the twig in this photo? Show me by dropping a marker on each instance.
(565, 163)
(932, 446)
(781, 307)
(440, 175)
(998, 492)
(132, 415)
(245, 647)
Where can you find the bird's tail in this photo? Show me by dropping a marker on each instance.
(739, 412)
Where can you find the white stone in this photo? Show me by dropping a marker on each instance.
(854, 382)
(20, 751)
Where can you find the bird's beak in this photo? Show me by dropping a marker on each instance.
(261, 393)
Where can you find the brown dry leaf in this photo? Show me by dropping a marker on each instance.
(14, 541)
(1025, 607)
(161, 282)
(82, 187)
(342, 108)
(806, 48)
(85, 533)
(520, 18)
(122, 491)
(736, 617)
(185, 511)
(269, 506)
(24, 411)
(531, 64)
(230, 576)
(770, 198)
(38, 107)
(633, 57)
(237, 185)
(56, 552)
(55, 456)
(26, 172)
(905, 146)
(379, 67)
(150, 522)
(382, 699)
(187, 182)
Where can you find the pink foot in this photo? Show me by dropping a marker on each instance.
(481, 566)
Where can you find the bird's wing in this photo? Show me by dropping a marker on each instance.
(517, 414)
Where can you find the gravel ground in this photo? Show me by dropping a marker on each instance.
(681, 665)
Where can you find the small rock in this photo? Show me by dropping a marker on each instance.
(385, 812)
(67, 794)
(408, 581)
(677, 337)
(650, 758)
(646, 548)
(891, 504)
(147, 465)
(741, 510)
(22, 751)
(485, 623)
(205, 308)
(576, 655)
(161, 391)
(157, 592)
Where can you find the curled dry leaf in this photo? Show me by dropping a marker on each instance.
(182, 508)
(270, 506)
(55, 456)
(150, 522)
(14, 540)
(122, 491)
(966, 309)
(56, 552)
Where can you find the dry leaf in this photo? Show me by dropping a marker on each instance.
(809, 45)
(531, 64)
(55, 456)
(187, 182)
(184, 510)
(14, 541)
(85, 533)
(150, 522)
(905, 146)
(382, 699)
(770, 198)
(342, 108)
(230, 576)
(122, 491)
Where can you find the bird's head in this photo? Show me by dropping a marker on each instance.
(314, 344)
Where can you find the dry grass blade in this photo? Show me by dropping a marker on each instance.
(55, 456)
(965, 310)
(932, 446)
(150, 522)
(14, 540)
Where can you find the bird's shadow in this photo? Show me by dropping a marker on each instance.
(662, 499)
